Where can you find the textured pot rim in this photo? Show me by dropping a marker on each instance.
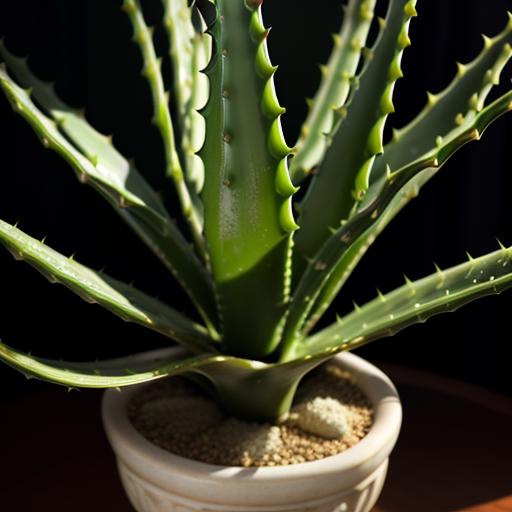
(384, 431)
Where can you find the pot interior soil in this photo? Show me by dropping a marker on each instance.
(178, 416)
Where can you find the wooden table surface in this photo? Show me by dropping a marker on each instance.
(454, 453)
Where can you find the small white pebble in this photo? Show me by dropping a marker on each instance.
(265, 441)
(254, 440)
(324, 417)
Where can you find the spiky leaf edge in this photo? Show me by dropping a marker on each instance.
(416, 301)
(162, 119)
(154, 227)
(379, 197)
(123, 300)
(482, 74)
(338, 77)
(341, 179)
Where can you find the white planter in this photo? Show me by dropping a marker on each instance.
(158, 481)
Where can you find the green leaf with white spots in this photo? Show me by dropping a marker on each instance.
(96, 287)
(341, 179)
(97, 163)
(446, 110)
(252, 389)
(143, 37)
(334, 262)
(416, 301)
(247, 192)
(338, 78)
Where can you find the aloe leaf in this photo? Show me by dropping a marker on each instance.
(416, 301)
(331, 266)
(247, 191)
(195, 129)
(143, 37)
(342, 177)
(411, 190)
(446, 115)
(110, 175)
(190, 51)
(445, 110)
(115, 170)
(337, 79)
(252, 389)
(100, 374)
(112, 178)
(181, 33)
(96, 287)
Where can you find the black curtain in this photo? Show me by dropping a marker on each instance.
(84, 46)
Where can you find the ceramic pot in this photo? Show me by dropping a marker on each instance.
(158, 481)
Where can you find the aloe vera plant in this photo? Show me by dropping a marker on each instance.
(260, 276)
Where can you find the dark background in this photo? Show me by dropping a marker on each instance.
(85, 46)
